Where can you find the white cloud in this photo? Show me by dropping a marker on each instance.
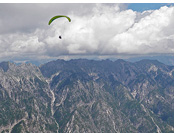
(152, 34)
(90, 34)
(97, 29)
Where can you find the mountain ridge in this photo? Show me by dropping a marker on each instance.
(87, 96)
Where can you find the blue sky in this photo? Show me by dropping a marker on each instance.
(140, 7)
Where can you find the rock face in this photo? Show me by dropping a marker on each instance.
(87, 96)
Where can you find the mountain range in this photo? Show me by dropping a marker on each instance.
(87, 96)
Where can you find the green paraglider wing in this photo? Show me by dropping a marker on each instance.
(59, 16)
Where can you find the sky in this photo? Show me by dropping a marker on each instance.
(95, 31)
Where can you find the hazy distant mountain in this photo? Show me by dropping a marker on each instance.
(168, 60)
(87, 96)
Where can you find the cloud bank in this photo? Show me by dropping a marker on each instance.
(96, 29)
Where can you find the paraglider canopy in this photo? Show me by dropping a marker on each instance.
(58, 16)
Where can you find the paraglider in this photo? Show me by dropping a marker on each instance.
(56, 17)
